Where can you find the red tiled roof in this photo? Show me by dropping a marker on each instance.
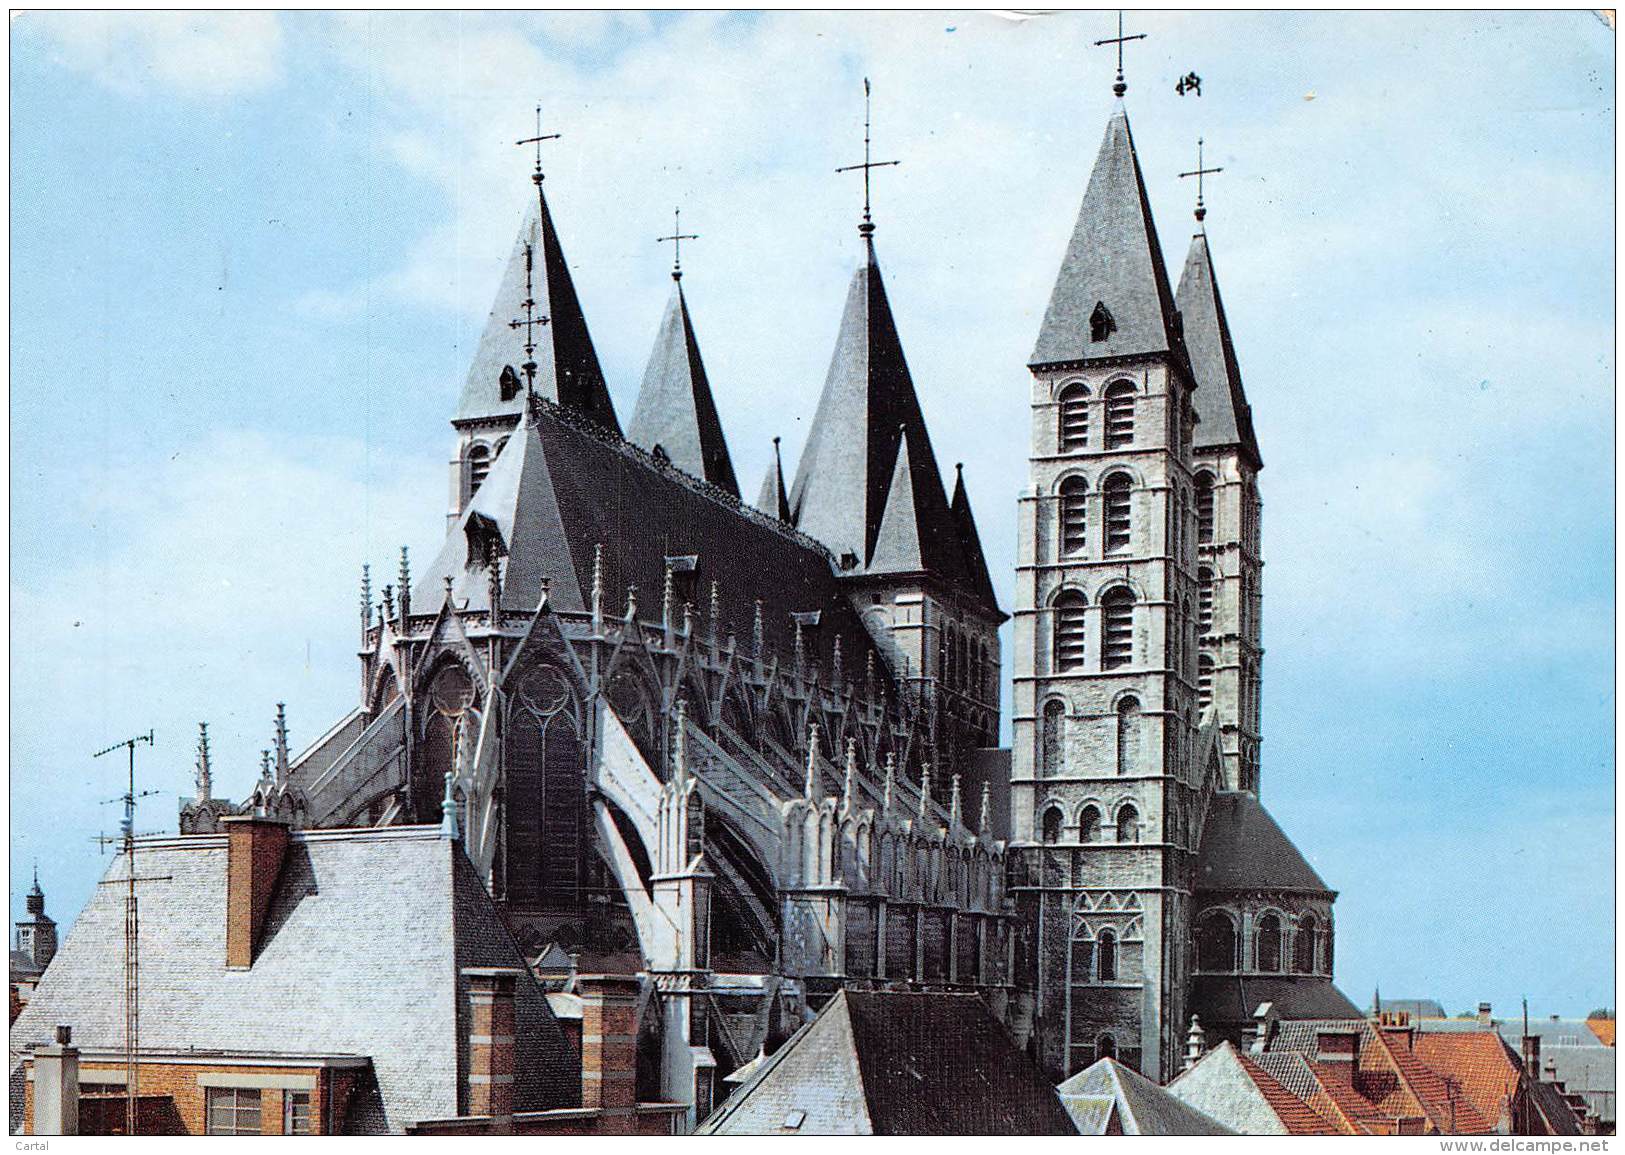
(1450, 1112)
(1296, 1115)
(1480, 1061)
(1355, 1109)
(1603, 1029)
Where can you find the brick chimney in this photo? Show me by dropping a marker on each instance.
(56, 1086)
(609, 1048)
(255, 848)
(1484, 1019)
(1340, 1051)
(491, 1043)
(1397, 1027)
(1531, 1056)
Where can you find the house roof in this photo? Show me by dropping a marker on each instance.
(1445, 1101)
(1143, 1107)
(847, 486)
(1224, 418)
(896, 1063)
(1113, 259)
(1296, 1115)
(361, 924)
(1483, 1065)
(567, 369)
(1603, 1029)
(1234, 1090)
(1327, 1095)
(675, 409)
(1243, 849)
(23, 965)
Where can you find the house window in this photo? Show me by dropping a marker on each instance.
(1204, 507)
(1074, 515)
(1303, 947)
(296, 1113)
(1270, 934)
(1117, 628)
(232, 1111)
(1069, 631)
(1052, 824)
(1119, 414)
(1216, 943)
(1050, 738)
(1073, 429)
(1118, 520)
(1128, 735)
(1204, 681)
(1128, 823)
(1089, 824)
(1106, 957)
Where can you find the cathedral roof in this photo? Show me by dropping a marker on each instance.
(1114, 260)
(1231, 999)
(1244, 849)
(675, 409)
(970, 542)
(845, 481)
(1224, 417)
(567, 369)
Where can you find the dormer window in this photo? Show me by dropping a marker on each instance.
(508, 383)
(684, 570)
(1101, 324)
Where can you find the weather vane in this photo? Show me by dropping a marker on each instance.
(1121, 86)
(1199, 172)
(678, 236)
(867, 228)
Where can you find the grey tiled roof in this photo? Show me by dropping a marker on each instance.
(897, 1063)
(365, 936)
(675, 409)
(1144, 1107)
(1244, 849)
(1114, 259)
(1224, 417)
(567, 369)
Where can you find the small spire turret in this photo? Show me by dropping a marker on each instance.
(890, 786)
(204, 779)
(281, 742)
(598, 587)
(811, 788)
(849, 784)
(405, 586)
(679, 744)
(366, 599)
(925, 795)
(984, 823)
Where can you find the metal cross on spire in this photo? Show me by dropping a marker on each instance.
(531, 319)
(1199, 172)
(867, 228)
(1121, 86)
(536, 174)
(678, 236)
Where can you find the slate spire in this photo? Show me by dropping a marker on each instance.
(675, 409)
(1111, 297)
(970, 542)
(1224, 419)
(868, 412)
(567, 369)
(773, 500)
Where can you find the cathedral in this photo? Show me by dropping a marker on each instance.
(751, 750)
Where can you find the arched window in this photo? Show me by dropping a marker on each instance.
(1119, 414)
(1106, 1048)
(479, 464)
(1204, 599)
(1117, 493)
(1204, 507)
(1106, 957)
(1089, 824)
(1216, 943)
(1074, 515)
(1116, 628)
(1069, 631)
(1270, 937)
(1204, 681)
(1128, 823)
(1052, 824)
(1303, 947)
(1073, 430)
(1050, 735)
(1128, 735)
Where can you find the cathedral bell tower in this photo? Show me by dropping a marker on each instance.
(1103, 795)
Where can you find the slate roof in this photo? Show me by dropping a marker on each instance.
(1415, 1008)
(567, 369)
(896, 1063)
(1143, 1108)
(23, 965)
(1244, 849)
(365, 937)
(846, 480)
(1219, 999)
(675, 409)
(562, 485)
(773, 499)
(1224, 418)
(1114, 259)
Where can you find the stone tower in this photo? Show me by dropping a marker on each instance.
(1229, 566)
(1103, 794)
(36, 935)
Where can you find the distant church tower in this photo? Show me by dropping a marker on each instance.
(1103, 786)
(36, 935)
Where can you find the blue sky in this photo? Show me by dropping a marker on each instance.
(251, 253)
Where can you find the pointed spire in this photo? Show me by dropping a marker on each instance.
(1111, 297)
(366, 599)
(849, 783)
(679, 744)
(1223, 417)
(676, 410)
(265, 766)
(281, 742)
(898, 548)
(405, 586)
(204, 779)
(925, 795)
(448, 808)
(867, 412)
(888, 790)
(970, 542)
(667, 595)
(758, 634)
(956, 815)
(389, 603)
(598, 588)
(35, 891)
(984, 821)
(568, 371)
(811, 787)
(773, 500)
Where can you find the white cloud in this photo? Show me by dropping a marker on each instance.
(195, 53)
